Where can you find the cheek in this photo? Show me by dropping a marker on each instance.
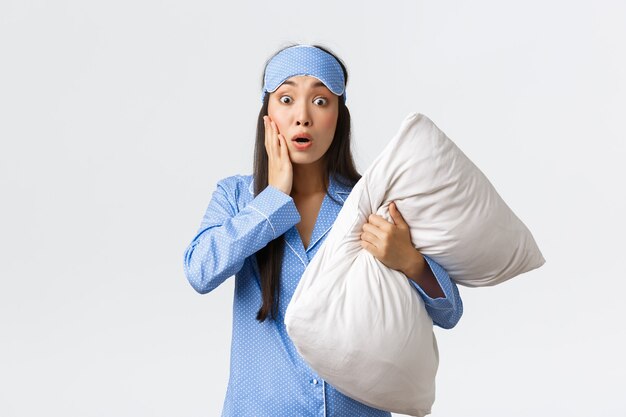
(275, 115)
(276, 119)
(330, 124)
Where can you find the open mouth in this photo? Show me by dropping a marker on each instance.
(302, 143)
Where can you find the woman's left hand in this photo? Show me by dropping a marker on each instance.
(391, 243)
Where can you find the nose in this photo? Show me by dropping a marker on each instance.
(303, 116)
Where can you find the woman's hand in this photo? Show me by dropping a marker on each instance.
(391, 244)
(280, 170)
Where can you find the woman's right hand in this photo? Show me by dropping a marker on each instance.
(280, 170)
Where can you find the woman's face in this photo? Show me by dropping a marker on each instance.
(303, 104)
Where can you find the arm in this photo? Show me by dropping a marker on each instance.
(440, 294)
(226, 237)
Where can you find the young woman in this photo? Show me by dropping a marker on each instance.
(265, 228)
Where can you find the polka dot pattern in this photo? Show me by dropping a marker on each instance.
(304, 60)
(267, 375)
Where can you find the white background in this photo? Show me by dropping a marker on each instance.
(117, 118)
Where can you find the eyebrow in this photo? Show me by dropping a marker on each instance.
(317, 84)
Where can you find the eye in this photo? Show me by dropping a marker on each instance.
(324, 101)
(282, 101)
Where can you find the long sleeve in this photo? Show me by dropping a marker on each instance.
(227, 237)
(445, 311)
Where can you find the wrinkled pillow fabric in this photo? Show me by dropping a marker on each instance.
(455, 214)
(359, 324)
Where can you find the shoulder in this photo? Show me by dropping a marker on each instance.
(342, 185)
(236, 181)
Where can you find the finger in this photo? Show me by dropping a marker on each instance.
(370, 248)
(268, 135)
(378, 221)
(275, 138)
(371, 239)
(395, 214)
(284, 150)
(274, 128)
(267, 121)
(373, 231)
(272, 138)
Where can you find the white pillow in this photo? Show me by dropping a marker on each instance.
(359, 324)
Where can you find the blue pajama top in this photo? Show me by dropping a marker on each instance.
(267, 375)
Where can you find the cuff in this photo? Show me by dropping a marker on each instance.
(444, 282)
(278, 208)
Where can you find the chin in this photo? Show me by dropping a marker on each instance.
(304, 160)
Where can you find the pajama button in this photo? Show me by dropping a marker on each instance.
(314, 382)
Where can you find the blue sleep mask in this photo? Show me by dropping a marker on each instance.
(304, 60)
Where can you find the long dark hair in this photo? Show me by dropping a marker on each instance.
(339, 160)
